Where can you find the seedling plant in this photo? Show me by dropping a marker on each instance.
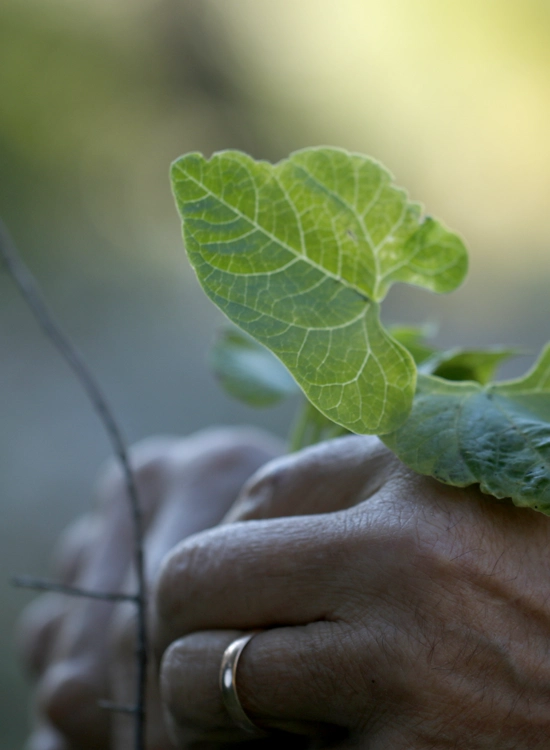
(300, 256)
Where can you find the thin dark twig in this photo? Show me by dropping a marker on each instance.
(42, 584)
(32, 296)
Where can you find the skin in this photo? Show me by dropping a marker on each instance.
(80, 651)
(396, 612)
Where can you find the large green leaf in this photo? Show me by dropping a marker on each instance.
(299, 254)
(498, 435)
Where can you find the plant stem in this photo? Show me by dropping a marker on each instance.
(41, 584)
(310, 427)
(32, 296)
(299, 428)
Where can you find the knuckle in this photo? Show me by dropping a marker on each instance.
(149, 458)
(227, 457)
(221, 461)
(152, 465)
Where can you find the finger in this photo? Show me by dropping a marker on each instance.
(41, 619)
(67, 697)
(122, 675)
(84, 552)
(327, 477)
(207, 477)
(73, 547)
(76, 675)
(168, 473)
(286, 681)
(252, 575)
(150, 464)
(37, 629)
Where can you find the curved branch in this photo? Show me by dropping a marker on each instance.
(28, 287)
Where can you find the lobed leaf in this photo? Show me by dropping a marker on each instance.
(299, 255)
(498, 435)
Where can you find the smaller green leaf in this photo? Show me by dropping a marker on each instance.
(536, 381)
(479, 365)
(248, 371)
(467, 364)
(413, 338)
(497, 435)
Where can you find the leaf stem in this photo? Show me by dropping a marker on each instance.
(311, 427)
(297, 438)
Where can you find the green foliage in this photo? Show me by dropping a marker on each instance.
(466, 364)
(498, 435)
(414, 338)
(252, 374)
(301, 253)
(248, 371)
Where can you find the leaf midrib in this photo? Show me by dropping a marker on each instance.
(362, 293)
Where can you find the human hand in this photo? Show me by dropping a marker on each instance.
(408, 615)
(81, 651)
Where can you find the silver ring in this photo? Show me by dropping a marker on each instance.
(228, 683)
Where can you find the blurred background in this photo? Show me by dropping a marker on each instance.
(97, 98)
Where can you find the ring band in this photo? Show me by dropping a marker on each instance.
(228, 683)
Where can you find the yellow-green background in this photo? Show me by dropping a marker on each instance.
(96, 98)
